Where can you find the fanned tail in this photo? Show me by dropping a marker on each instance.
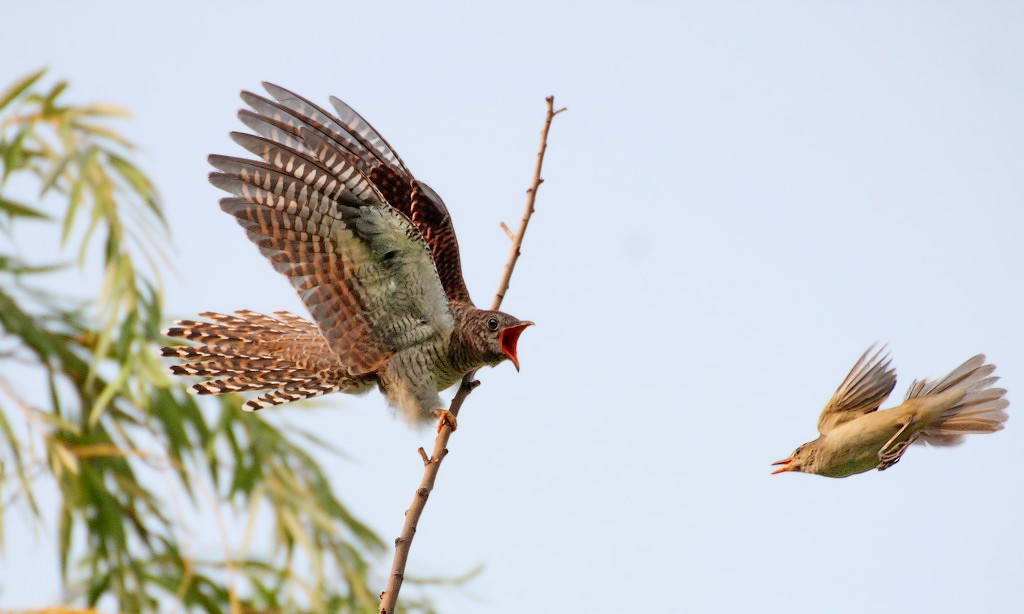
(981, 410)
(252, 351)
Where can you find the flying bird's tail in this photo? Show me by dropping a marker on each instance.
(964, 403)
(251, 351)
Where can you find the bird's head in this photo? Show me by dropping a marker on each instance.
(494, 335)
(802, 459)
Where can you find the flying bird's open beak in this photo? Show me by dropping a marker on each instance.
(787, 465)
(508, 337)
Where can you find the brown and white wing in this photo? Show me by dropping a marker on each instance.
(360, 266)
(869, 382)
(345, 138)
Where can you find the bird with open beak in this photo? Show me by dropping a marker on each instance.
(855, 437)
(371, 252)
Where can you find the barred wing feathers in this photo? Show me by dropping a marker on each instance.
(346, 142)
(362, 269)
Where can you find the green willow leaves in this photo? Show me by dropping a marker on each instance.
(89, 418)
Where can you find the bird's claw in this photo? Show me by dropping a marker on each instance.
(893, 449)
(446, 417)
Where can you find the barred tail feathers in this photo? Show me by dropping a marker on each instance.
(973, 405)
(248, 351)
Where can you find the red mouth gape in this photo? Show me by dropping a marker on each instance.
(508, 337)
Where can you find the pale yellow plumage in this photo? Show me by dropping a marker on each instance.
(857, 437)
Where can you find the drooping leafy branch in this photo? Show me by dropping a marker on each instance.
(136, 462)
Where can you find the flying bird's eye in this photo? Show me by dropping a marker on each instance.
(492, 324)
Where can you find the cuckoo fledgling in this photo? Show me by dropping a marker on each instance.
(371, 252)
(856, 437)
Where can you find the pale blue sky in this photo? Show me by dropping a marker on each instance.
(742, 197)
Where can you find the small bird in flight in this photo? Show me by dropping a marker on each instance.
(371, 252)
(856, 437)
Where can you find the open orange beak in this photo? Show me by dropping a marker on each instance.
(508, 337)
(786, 466)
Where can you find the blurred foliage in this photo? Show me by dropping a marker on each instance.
(133, 459)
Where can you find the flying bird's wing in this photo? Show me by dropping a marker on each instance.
(869, 382)
(353, 141)
(362, 268)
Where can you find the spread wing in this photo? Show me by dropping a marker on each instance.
(345, 138)
(361, 267)
(869, 382)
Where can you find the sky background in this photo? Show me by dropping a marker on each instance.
(741, 198)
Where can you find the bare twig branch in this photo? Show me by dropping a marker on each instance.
(389, 598)
(531, 198)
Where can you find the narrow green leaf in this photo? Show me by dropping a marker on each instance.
(15, 446)
(50, 100)
(102, 110)
(14, 153)
(19, 87)
(65, 529)
(13, 266)
(54, 174)
(139, 182)
(103, 132)
(15, 321)
(109, 391)
(15, 209)
(75, 198)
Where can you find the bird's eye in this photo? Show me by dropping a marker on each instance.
(492, 324)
